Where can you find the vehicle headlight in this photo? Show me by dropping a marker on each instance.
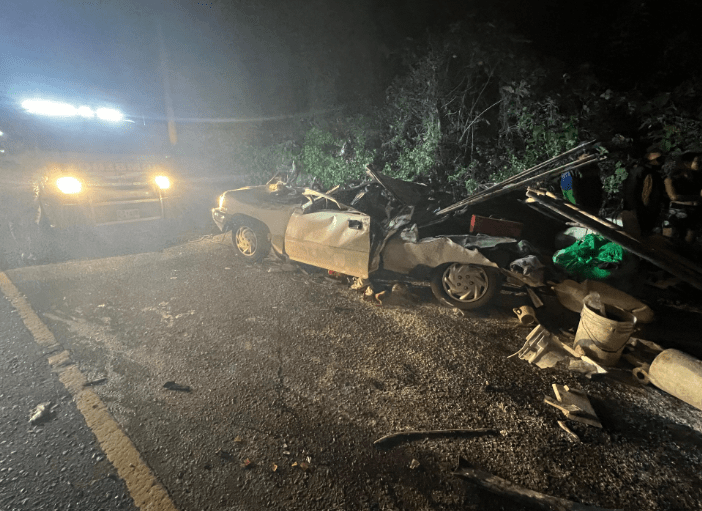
(69, 185)
(162, 182)
(221, 201)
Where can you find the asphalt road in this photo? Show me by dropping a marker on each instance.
(292, 377)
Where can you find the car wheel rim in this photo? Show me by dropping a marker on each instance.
(465, 283)
(245, 240)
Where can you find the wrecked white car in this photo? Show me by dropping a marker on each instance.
(376, 232)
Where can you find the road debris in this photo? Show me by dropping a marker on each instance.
(572, 295)
(414, 464)
(398, 295)
(500, 486)
(525, 315)
(41, 413)
(541, 349)
(247, 464)
(408, 436)
(676, 373)
(92, 383)
(574, 404)
(171, 385)
(603, 330)
(572, 436)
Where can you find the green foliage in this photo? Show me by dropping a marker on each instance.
(540, 128)
(337, 158)
(419, 158)
(613, 184)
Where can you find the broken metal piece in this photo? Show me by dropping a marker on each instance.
(500, 486)
(571, 435)
(540, 349)
(406, 436)
(525, 315)
(574, 404)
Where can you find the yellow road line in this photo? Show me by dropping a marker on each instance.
(147, 492)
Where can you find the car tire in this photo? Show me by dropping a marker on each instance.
(465, 286)
(250, 240)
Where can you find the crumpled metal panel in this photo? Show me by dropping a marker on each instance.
(402, 256)
(335, 240)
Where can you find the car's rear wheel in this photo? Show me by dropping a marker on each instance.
(250, 240)
(465, 286)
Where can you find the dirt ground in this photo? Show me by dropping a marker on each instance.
(295, 373)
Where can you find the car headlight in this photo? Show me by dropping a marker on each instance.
(162, 182)
(69, 185)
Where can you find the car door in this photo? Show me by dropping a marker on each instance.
(335, 239)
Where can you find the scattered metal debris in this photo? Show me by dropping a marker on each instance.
(171, 385)
(408, 436)
(540, 349)
(500, 486)
(574, 404)
(525, 315)
(414, 464)
(571, 435)
(572, 295)
(603, 330)
(676, 373)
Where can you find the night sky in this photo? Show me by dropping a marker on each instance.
(269, 57)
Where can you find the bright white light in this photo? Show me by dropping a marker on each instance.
(109, 114)
(50, 108)
(69, 185)
(85, 111)
(1, 133)
(163, 182)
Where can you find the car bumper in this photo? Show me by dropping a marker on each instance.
(219, 217)
(63, 215)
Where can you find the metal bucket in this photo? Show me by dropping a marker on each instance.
(603, 339)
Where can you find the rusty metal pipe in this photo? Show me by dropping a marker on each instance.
(678, 374)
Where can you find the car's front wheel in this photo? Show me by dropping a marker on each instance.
(250, 240)
(465, 286)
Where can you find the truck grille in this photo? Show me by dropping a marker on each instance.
(127, 211)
